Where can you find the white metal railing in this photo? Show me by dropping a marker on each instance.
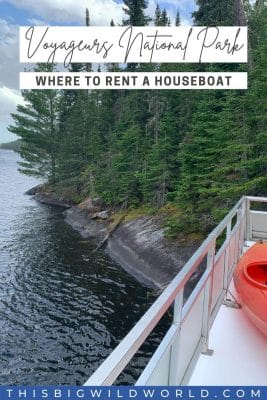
(188, 335)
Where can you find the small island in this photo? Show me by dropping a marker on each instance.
(14, 145)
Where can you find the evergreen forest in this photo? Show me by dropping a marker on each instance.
(194, 152)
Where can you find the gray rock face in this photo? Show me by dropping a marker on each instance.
(48, 198)
(101, 215)
(34, 190)
(87, 228)
(92, 206)
(141, 248)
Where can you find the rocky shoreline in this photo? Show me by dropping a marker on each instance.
(138, 245)
(46, 197)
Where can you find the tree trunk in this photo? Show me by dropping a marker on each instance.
(53, 170)
(240, 13)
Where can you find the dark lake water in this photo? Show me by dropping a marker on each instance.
(63, 308)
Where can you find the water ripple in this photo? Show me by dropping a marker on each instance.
(63, 308)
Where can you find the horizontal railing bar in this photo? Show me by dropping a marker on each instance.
(223, 224)
(227, 240)
(257, 199)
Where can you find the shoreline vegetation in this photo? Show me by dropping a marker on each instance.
(176, 159)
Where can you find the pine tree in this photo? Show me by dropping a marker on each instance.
(214, 12)
(87, 17)
(256, 101)
(223, 155)
(88, 66)
(177, 19)
(135, 9)
(201, 150)
(198, 152)
(157, 16)
(36, 123)
(106, 173)
(241, 7)
(260, 5)
(73, 127)
(164, 20)
(199, 187)
(113, 67)
(132, 145)
(161, 17)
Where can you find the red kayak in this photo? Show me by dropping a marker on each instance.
(250, 280)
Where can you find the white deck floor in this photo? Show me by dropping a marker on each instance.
(240, 352)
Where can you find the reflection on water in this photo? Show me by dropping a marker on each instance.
(63, 308)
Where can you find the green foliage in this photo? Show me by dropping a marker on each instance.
(214, 12)
(223, 154)
(134, 9)
(177, 19)
(36, 123)
(199, 150)
(161, 17)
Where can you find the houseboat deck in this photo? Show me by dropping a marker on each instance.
(240, 352)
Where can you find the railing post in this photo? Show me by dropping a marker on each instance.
(239, 222)
(208, 300)
(242, 233)
(248, 220)
(175, 350)
(226, 259)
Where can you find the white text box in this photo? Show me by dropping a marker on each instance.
(133, 44)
